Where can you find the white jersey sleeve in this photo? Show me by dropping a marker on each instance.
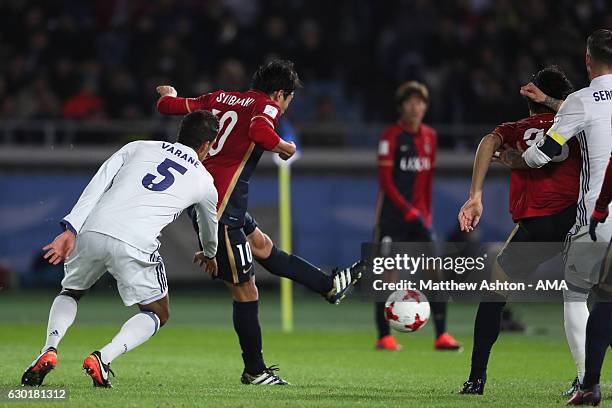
(206, 217)
(569, 121)
(100, 182)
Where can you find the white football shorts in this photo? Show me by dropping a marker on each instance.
(141, 277)
(584, 258)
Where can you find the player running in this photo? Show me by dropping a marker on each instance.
(114, 227)
(406, 159)
(587, 116)
(247, 121)
(542, 204)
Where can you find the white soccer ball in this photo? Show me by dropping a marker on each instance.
(407, 310)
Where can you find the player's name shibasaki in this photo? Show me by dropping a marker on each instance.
(484, 285)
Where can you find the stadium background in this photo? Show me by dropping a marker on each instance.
(77, 80)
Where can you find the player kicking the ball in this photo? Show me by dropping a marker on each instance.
(114, 227)
(542, 204)
(248, 121)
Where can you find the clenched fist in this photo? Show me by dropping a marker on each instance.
(166, 90)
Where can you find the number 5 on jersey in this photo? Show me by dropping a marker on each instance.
(164, 171)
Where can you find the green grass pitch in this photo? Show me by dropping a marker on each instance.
(329, 359)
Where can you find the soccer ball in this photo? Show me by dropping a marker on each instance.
(407, 310)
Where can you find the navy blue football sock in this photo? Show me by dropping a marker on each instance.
(293, 267)
(486, 331)
(599, 333)
(246, 324)
(382, 325)
(438, 310)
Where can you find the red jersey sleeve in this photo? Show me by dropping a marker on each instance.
(386, 148)
(605, 196)
(386, 155)
(170, 105)
(264, 119)
(505, 132)
(434, 147)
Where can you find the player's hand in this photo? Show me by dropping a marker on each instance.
(60, 249)
(208, 265)
(413, 215)
(532, 92)
(288, 149)
(596, 218)
(469, 214)
(166, 90)
(511, 157)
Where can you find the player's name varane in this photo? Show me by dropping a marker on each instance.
(448, 285)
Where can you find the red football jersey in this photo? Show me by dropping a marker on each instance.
(246, 121)
(405, 166)
(547, 190)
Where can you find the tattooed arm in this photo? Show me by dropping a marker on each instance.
(534, 93)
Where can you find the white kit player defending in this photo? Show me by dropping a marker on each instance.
(587, 116)
(114, 227)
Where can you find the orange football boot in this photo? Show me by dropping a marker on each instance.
(447, 342)
(36, 372)
(388, 342)
(97, 370)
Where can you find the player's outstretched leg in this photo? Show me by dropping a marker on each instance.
(598, 333)
(138, 329)
(334, 287)
(486, 331)
(246, 324)
(61, 316)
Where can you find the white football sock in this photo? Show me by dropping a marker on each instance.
(61, 316)
(134, 332)
(575, 316)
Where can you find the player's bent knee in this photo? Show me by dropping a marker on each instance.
(266, 249)
(163, 317)
(73, 293)
(160, 308)
(245, 292)
(261, 244)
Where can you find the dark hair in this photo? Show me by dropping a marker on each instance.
(599, 46)
(553, 82)
(409, 89)
(276, 75)
(197, 128)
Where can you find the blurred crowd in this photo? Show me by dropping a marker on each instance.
(98, 59)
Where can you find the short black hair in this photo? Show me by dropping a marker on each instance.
(197, 128)
(553, 82)
(599, 46)
(276, 75)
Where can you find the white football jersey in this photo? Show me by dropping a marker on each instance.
(587, 115)
(142, 188)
